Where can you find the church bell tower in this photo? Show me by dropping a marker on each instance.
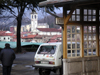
(34, 21)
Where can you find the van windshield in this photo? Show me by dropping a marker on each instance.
(47, 50)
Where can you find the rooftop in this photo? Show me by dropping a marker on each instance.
(60, 3)
(28, 36)
(6, 33)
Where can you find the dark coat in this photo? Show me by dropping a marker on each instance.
(7, 56)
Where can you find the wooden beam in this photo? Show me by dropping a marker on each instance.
(66, 20)
(84, 23)
(87, 3)
(97, 34)
(82, 41)
(82, 31)
(64, 35)
(97, 30)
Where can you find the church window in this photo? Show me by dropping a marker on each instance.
(4, 38)
(32, 16)
(35, 16)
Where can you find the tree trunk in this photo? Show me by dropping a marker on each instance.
(18, 34)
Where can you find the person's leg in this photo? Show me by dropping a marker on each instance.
(9, 70)
(4, 70)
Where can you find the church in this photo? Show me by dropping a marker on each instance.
(37, 28)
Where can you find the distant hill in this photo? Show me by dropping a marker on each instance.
(4, 24)
(50, 20)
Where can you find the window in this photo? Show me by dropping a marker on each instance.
(75, 16)
(32, 16)
(35, 16)
(73, 41)
(47, 50)
(89, 15)
(90, 40)
(4, 38)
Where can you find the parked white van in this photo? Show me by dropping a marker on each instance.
(48, 58)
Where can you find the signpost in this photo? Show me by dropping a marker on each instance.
(59, 21)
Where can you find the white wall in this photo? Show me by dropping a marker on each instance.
(5, 38)
(49, 33)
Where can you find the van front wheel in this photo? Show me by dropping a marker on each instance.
(44, 72)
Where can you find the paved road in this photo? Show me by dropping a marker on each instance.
(23, 65)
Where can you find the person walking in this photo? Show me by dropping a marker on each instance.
(7, 56)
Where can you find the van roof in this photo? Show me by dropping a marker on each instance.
(58, 43)
(54, 43)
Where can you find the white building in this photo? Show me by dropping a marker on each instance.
(34, 21)
(42, 28)
(48, 31)
(38, 28)
(43, 25)
(31, 27)
(6, 36)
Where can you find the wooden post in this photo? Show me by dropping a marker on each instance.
(64, 35)
(97, 34)
(66, 20)
(82, 32)
(97, 30)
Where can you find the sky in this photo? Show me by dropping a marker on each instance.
(40, 12)
(27, 14)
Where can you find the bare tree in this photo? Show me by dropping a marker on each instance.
(20, 6)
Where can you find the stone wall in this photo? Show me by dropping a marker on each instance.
(81, 66)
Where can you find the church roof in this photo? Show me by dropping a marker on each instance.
(28, 36)
(34, 12)
(5, 33)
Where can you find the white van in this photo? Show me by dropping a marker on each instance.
(48, 58)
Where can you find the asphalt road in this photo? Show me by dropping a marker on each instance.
(23, 65)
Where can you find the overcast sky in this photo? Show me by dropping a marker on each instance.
(41, 14)
(27, 14)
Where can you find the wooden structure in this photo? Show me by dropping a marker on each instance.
(81, 35)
